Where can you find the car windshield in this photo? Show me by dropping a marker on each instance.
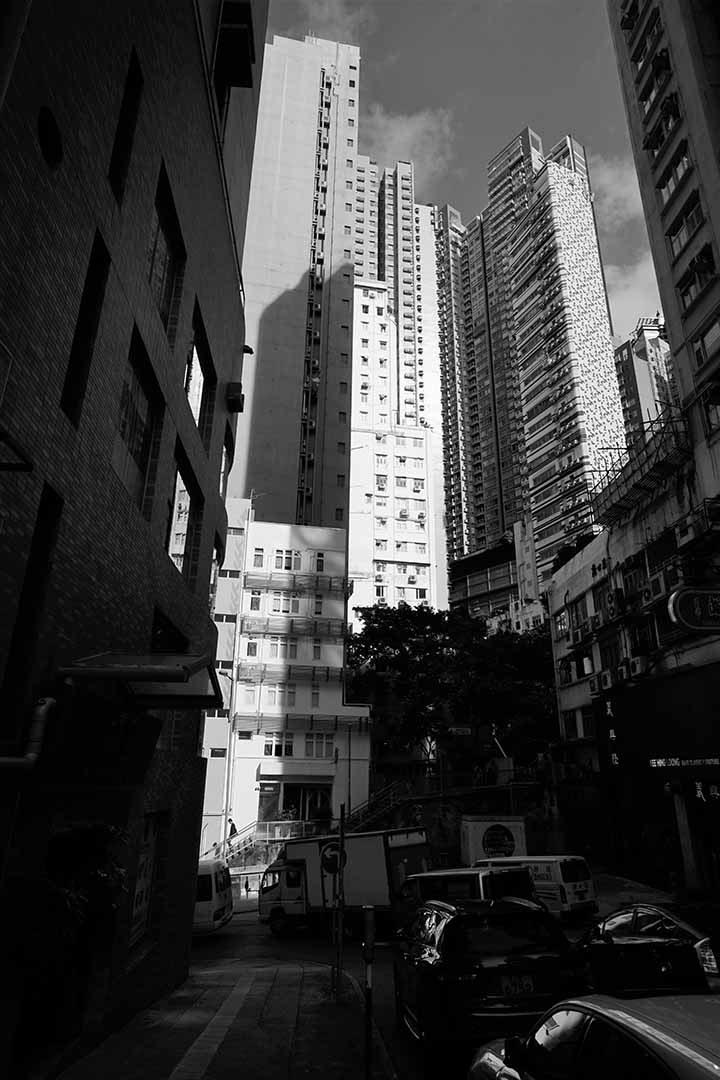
(573, 870)
(502, 934)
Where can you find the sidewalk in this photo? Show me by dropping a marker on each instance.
(270, 1022)
(614, 892)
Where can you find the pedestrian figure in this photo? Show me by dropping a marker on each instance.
(247, 888)
(233, 829)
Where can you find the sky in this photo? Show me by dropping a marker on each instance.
(448, 83)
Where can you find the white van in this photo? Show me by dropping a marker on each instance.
(563, 882)
(465, 883)
(213, 898)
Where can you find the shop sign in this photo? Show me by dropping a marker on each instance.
(695, 608)
(678, 762)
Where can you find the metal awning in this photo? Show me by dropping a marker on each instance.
(154, 680)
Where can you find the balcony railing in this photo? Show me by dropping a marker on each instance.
(291, 582)
(272, 831)
(292, 624)
(630, 480)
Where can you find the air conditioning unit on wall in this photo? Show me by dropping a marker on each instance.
(607, 679)
(638, 666)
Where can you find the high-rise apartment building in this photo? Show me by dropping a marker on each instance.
(564, 361)
(667, 54)
(298, 275)
(532, 403)
(397, 550)
(646, 379)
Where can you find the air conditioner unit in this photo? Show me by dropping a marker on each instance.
(638, 666)
(596, 621)
(577, 635)
(607, 679)
(412, 579)
(378, 577)
(308, 493)
(595, 686)
(654, 589)
(623, 671)
(421, 515)
(403, 513)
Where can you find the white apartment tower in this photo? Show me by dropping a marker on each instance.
(397, 551)
(570, 399)
(293, 445)
(294, 751)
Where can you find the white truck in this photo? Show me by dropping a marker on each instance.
(301, 885)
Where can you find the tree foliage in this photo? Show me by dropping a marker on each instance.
(427, 671)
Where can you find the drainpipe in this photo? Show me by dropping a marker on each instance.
(35, 738)
(25, 763)
(13, 18)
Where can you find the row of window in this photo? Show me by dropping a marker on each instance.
(282, 744)
(382, 592)
(288, 559)
(281, 647)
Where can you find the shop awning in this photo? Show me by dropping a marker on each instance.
(154, 680)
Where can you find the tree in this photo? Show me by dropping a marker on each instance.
(427, 671)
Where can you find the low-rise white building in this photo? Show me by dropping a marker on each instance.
(286, 751)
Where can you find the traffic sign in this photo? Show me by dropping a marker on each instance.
(695, 607)
(330, 858)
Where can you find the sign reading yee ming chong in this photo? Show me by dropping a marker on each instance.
(696, 608)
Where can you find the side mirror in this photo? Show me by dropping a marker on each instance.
(514, 1052)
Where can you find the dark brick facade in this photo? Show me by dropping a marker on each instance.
(105, 568)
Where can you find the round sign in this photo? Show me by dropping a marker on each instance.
(498, 841)
(330, 857)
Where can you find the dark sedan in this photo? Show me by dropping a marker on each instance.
(625, 941)
(470, 970)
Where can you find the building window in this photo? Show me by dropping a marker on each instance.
(314, 696)
(258, 557)
(340, 479)
(278, 744)
(317, 648)
(685, 225)
(319, 746)
(319, 561)
(255, 596)
(86, 328)
(318, 604)
(287, 559)
(343, 388)
(252, 647)
(699, 274)
(339, 513)
(226, 462)
(380, 591)
(673, 176)
(341, 448)
(184, 522)
(200, 381)
(708, 343)
(285, 603)
(283, 648)
(166, 256)
(125, 130)
(138, 427)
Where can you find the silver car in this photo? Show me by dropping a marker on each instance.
(606, 1038)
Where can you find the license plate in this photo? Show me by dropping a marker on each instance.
(514, 985)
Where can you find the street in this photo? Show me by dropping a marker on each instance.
(245, 937)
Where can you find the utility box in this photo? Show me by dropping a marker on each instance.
(484, 836)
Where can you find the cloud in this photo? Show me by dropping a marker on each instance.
(617, 195)
(338, 20)
(426, 138)
(633, 293)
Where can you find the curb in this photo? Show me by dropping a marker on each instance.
(378, 1042)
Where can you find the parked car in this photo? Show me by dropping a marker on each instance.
(597, 1037)
(467, 970)
(630, 936)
